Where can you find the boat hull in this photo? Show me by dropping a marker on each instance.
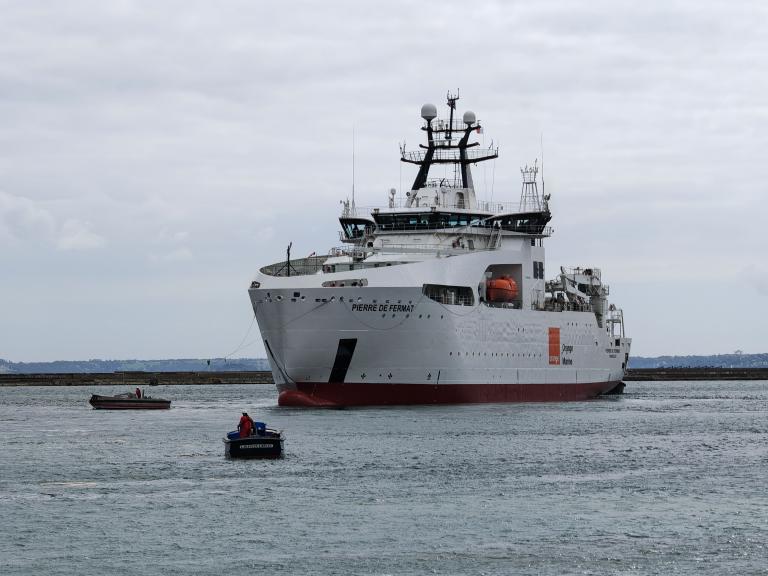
(111, 403)
(325, 394)
(253, 447)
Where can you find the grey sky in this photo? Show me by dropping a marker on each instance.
(153, 155)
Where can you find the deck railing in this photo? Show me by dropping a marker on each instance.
(298, 267)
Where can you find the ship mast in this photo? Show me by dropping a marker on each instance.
(529, 196)
(447, 143)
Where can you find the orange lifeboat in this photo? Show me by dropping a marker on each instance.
(502, 289)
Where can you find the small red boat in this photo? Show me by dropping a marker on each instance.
(128, 401)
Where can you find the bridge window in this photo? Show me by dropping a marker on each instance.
(424, 220)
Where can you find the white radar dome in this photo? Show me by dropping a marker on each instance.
(428, 112)
(469, 118)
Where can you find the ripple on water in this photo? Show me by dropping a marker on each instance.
(666, 479)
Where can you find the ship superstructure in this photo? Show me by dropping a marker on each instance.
(439, 298)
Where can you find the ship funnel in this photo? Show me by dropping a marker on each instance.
(469, 118)
(429, 112)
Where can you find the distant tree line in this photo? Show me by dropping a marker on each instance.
(715, 361)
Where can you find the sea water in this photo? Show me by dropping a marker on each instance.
(670, 478)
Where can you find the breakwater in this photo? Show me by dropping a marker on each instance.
(136, 378)
(262, 377)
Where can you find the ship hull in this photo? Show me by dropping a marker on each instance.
(328, 394)
(341, 348)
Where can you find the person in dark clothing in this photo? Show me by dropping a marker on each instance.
(138, 392)
(245, 427)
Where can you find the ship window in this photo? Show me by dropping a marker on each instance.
(424, 220)
(451, 295)
(355, 228)
(345, 283)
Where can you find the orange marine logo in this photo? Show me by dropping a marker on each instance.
(554, 346)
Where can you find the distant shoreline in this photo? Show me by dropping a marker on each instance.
(635, 374)
(142, 379)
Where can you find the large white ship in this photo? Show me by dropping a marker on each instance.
(440, 298)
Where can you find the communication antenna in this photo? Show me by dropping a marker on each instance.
(288, 259)
(452, 105)
(543, 191)
(353, 168)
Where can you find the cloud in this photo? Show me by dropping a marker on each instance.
(77, 235)
(23, 219)
(175, 255)
(138, 134)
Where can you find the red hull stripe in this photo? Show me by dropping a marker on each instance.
(338, 394)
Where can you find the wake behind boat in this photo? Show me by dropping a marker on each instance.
(128, 401)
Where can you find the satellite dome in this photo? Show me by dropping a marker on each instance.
(469, 118)
(428, 112)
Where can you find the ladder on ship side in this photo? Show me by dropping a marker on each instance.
(495, 240)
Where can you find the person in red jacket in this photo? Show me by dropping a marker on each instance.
(138, 392)
(245, 427)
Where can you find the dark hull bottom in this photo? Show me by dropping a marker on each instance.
(325, 394)
(130, 405)
(254, 447)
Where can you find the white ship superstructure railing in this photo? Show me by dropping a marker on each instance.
(357, 256)
(437, 249)
(478, 228)
(451, 155)
(396, 205)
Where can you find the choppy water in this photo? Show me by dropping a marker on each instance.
(671, 478)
